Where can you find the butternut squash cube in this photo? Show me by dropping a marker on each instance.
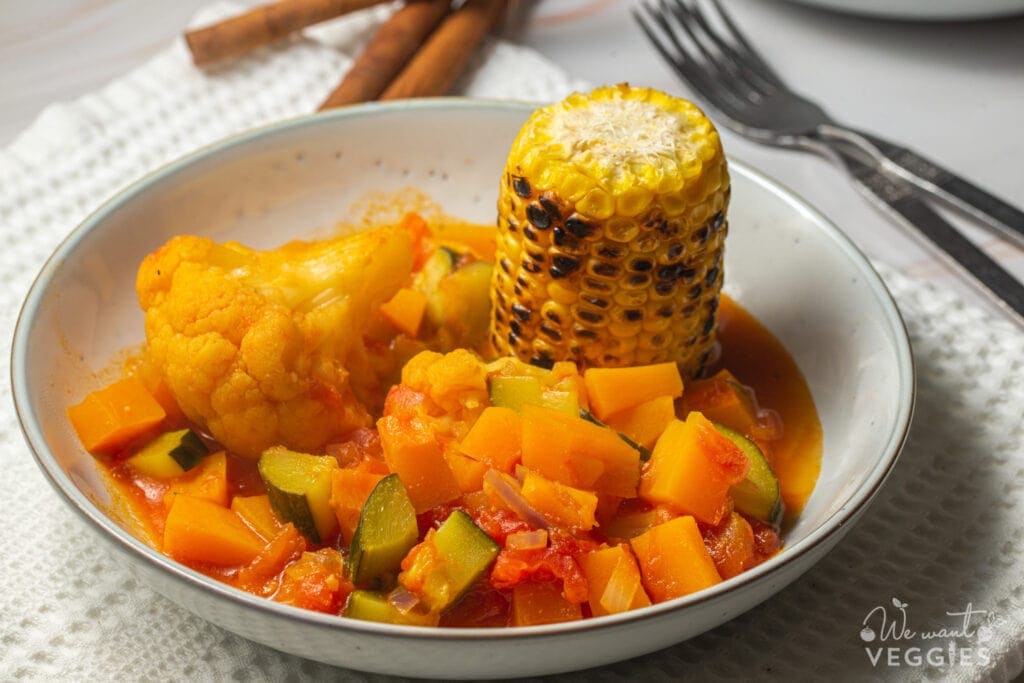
(577, 453)
(691, 469)
(199, 530)
(469, 473)
(495, 439)
(673, 560)
(561, 504)
(614, 581)
(108, 420)
(541, 603)
(612, 390)
(405, 310)
(413, 452)
(209, 480)
(350, 487)
(646, 422)
(257, 513)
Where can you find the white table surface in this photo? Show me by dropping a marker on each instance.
(954, 91)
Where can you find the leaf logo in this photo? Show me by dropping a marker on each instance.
(897, 604)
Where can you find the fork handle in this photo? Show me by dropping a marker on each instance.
(898, 199)
(925, 174)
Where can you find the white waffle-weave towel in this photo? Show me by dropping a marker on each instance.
(946, 532)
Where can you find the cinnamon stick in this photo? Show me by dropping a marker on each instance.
(263, 25)
(436, 66)
(388, 51)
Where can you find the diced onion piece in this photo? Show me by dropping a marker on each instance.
(621, 588)
(403, 599)
(769, 425)
(527, 540)
(512, 497)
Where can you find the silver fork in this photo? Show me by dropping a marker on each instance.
(719, 63)
(731, 73)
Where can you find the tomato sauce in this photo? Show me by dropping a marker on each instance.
(756, 357)
(791, 435)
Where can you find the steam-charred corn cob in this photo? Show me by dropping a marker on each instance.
(611, 221)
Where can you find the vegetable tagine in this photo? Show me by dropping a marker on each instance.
(437, 423)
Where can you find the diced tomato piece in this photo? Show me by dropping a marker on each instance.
(482, 606)
(419, 230)
(403, 402)
(731, 545)
(557, 561)
(316, 581)
(766, 539)
(498, 523)
(286, 547)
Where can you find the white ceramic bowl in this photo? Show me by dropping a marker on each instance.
(784, 262)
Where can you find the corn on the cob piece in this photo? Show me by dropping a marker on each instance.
(611, 222)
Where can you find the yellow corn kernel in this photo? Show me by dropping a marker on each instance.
(597, 204)
(633, 201)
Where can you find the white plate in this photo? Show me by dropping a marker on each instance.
(784, 262)
(927, 10)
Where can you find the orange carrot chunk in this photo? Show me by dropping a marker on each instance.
(405, 310)
(495, 439)
(673, 560)
(611, 390)
(541, 603)
(692, 468)
(108, 420)
(198, 530)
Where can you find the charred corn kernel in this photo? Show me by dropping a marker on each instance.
(612, 220)
(621, 229)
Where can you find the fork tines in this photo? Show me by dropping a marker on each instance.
(706, 49)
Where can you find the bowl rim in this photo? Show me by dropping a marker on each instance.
(856, 502)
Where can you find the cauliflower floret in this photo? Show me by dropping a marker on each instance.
(456, 382)
(265, 348)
